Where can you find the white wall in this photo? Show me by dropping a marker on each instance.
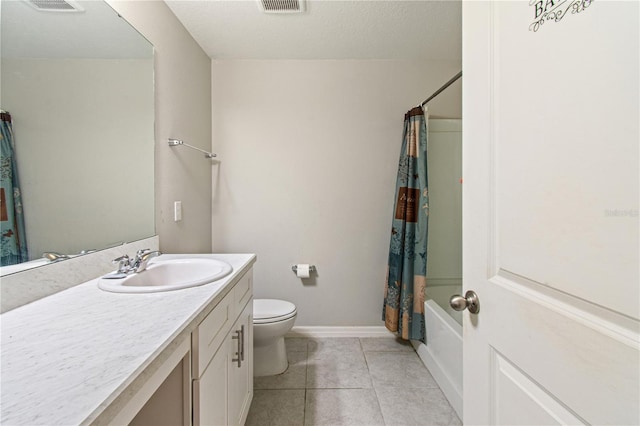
(309, 153)
(182, 111)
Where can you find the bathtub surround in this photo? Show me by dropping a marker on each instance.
(311, 179)
(445, 207)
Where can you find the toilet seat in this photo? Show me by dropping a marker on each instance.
(267, 311)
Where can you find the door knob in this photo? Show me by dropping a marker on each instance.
(469, 301)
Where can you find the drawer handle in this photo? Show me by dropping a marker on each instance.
(242, 342)
(238, 337)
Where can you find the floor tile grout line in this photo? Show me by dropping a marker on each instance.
(304, 408)
(375, 392)
(364, 355)
(347, 388)
(306, 372)
(350, 388)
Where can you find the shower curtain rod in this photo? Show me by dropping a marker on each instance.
(437, 92)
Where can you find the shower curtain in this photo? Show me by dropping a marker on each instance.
(13, 242)
(403, 309)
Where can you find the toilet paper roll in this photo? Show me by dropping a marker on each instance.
(302, 270)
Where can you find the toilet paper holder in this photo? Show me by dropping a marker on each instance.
(312, 268)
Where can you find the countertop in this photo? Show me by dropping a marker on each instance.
(66, 358)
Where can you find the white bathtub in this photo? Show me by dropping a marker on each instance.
(442, 354)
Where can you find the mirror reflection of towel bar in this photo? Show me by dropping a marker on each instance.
(176, 142)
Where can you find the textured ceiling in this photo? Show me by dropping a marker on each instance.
(328, 29)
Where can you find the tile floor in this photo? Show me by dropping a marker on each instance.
(350, 381)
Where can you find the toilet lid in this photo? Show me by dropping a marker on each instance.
(272, 310)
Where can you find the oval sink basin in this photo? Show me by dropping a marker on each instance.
(167, 275)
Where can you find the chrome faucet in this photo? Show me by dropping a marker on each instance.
(127, 266)
(143, 257)
(124, 265)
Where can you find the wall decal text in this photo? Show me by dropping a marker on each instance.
(554, 10)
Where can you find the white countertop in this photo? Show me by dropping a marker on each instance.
(65, 358)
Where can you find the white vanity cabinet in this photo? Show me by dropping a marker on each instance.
(162, 358)
(222, 351)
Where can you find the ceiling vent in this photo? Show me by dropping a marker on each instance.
(55, 5)
(281, 6)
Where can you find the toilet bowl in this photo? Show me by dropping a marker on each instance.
(272, 319)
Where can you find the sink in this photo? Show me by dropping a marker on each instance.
(167, 275)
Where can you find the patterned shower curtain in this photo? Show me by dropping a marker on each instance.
(407, 268)
(13, 242)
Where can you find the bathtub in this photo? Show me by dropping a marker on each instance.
(442, 354)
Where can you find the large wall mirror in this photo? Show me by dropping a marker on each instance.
(77, 80)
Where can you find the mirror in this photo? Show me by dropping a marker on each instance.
(77, 80)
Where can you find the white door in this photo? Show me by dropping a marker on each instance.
(550, 201)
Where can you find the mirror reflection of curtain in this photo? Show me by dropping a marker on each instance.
(13, 241)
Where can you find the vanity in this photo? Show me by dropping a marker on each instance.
(88, 356)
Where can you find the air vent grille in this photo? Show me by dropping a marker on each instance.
(55, 5)
(281, 6)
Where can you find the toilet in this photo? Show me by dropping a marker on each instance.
(272, 319)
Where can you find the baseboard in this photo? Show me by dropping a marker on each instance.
(316, 331)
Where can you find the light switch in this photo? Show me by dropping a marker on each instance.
(177, 211)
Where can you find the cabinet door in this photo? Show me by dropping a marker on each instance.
(241, 373)
(210, 397)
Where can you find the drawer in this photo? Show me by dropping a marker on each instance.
(243, 291)
(210, 334)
